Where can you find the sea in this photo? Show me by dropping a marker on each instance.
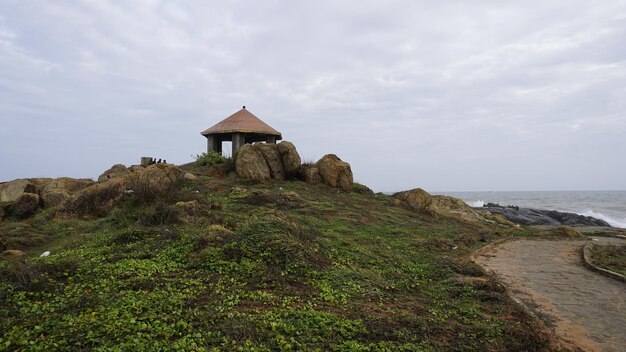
(609, 206)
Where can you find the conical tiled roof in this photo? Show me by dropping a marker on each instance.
(241, 121)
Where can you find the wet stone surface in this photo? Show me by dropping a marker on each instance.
(585, 308)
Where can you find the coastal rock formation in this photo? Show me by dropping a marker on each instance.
(273, 159)
(455, 207)
(98, 199)
(11, 254)
(22, 198)
(527, 216)
(68, 184)
(335, 172)
(53, 192)
(417, 199)
(265, 161)
(251, 164)
(54, 198)
(155, 180)
(12, 190)
(290, 157)
(117, 170)
(24, 206)
(311, 174)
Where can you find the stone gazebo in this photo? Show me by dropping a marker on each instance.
(240, 128)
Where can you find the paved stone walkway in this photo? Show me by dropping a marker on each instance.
(583, 307)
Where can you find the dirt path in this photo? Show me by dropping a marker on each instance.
(585, 308)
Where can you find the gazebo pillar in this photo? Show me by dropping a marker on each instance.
(239, 139)
(214, 144)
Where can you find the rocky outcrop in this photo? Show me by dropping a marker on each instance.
(189, 176)
(421, 201)
(12, 190)
(311, 174)
(290, 158)
(528, 216)
(98, 199)
(417, 199)
(11, 254)
(56, 191)
(54, 198)
(22, 198)
(251, 164)
(117, 170)
(329, 170)
(95, 200)
(273, 159)
(24, 206)
(265, 161)
(335, 172)
(155, 180)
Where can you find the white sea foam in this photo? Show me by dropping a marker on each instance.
(475, 203)
(613, 222)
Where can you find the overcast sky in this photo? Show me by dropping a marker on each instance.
(443, 95)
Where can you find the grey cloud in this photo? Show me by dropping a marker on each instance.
(411, 93)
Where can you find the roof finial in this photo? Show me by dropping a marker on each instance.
(244, 106)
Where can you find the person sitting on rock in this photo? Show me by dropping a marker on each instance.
(158, 162)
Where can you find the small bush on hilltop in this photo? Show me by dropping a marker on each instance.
(209, 159)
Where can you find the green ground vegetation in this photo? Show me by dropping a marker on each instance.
(610, 257)
(224, 264)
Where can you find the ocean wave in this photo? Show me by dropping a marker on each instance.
(613, 222)
(475, 203)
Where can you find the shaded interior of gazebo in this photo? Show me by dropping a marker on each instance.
(240, 128)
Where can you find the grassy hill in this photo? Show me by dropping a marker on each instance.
(225, 264)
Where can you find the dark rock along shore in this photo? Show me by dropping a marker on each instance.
(528, 216)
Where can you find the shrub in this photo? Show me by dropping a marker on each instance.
(209, 159)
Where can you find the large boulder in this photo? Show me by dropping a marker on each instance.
(24, 206)
(40, 183)
(54, 198)
(56, 191)
(335, 172)
(416, 199)
(97, 199)
(117, 170)
(155, 180)
(273, 159)
(68, 184)
(11, 254)
(265, 161)
(311, 174)
(12, 190)
(419, 200)
(290, 158)
(251, 164)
